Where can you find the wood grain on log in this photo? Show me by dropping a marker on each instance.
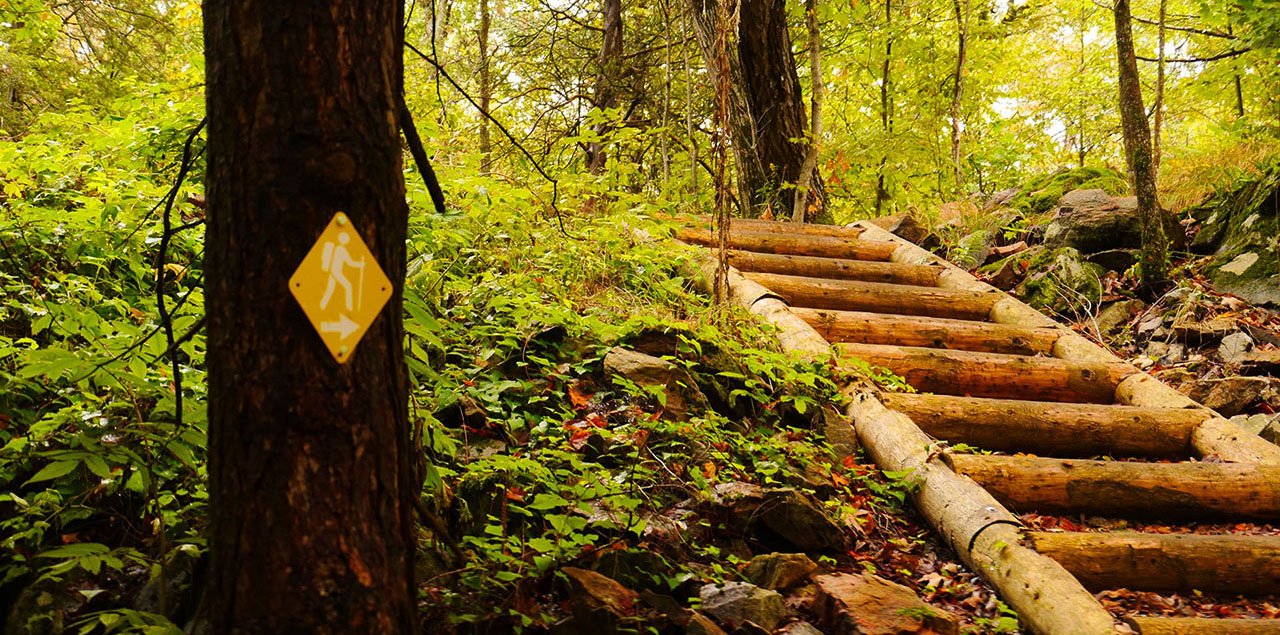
(1127, 489)
(1202, 626)
(877, 297)
(1227, 564)
(1050, 428)
(972, 374)
(834, 268)
(965, 335)
(800, 245)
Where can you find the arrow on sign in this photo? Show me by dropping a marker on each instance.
(343, 326)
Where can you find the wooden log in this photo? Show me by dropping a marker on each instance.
(1166, 562)
(1127, 489)
(1049, 428)
(800, 245)
(1215, 438)
(985, 535)
(1202, 626)
(769, 226)
(835, 268)
(877, 297)
(964, 335)
(795, 336)
(994, 375)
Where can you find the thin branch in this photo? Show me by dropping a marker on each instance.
(420, 155)
(555, 185)
(1196, 60)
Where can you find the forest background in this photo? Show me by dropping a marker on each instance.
(598, 113)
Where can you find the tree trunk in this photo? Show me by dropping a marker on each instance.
(883, 195)
(957, 92)
(1137, 145)
(766, 114)
(876, 297)
(801, 203)
(1158, 122)
(310, 486)
(797, 244)
(607, 83)
(962, 335)
(836, 268)
(486, 89)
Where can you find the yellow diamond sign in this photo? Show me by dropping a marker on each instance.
(340, 287)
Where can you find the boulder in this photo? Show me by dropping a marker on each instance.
(598, 597)
(1255, 424)
(799, 628)
(779, 570)
(681, 391)
(852, 604)
(736, 603)
(700, 624)
(911, 229)
(781, 517)
(1241, 230)
(1060, 280)
(1092, 221)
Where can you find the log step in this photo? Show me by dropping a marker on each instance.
(770, 226)
(965, 335)
(795, 244)
(877, 297)
(835, 268)
(1050, 428)
(1127, 489)
(1166, 562)
(966, 373)
(1201, 626)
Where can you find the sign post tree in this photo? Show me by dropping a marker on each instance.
(309, 475)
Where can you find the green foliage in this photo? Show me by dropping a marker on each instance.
(1042, 193)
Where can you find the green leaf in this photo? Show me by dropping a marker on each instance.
(54, 470)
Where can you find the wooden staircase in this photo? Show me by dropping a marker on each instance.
(993, 373)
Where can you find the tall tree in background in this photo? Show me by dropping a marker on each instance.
(486, 87)
(961, 8)
(799, 206)
(309, 479)
(609, 80)
(766, 114)
(886, 110)
(1137, 149)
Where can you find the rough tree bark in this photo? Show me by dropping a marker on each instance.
(883, 195)
(1137, 146)
(310, 482)
(799, 204)
(608, 82)
(957, 92)
(1158, 119)
(486, 87)
(767, 109)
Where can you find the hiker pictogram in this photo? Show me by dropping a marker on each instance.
(340, 287)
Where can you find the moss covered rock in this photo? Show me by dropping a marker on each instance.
(1060, 280)
(1042, 194)
(1241, 229)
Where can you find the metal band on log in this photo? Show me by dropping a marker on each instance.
(834, 268)
(877, 297)
(1126, 490)
(966, 373)
(801, 245)
(1166, 562)
(1057, 429)
(965, 335)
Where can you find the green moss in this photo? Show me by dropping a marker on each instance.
(1042, 193)
(1059, 280)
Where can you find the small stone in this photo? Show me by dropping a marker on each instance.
(735, 603)
(864, 604)
(596, 596)
(1117, 314)
(799, 628)
(1235, 348)
(700, 624)
(779, 570)
(1231, 395)
(1253, 424)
